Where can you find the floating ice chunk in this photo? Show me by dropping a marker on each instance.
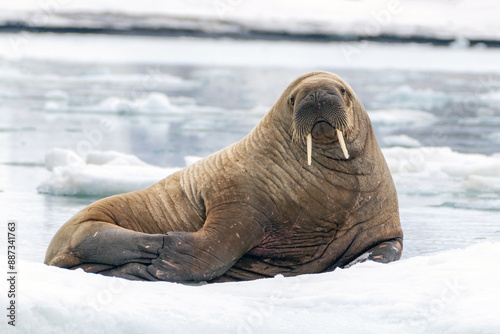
(114, 158)
(62, 157)
(101, 180)
(460, 42)
(495, 136)
(103, 174)
(401, 117)
(440, 170)
(482, 184)
(492, 96)
(400, 140)
(191, 159)
(56, 100)
(55, 105)
(56, 94)
(153, 102)
(412, 98)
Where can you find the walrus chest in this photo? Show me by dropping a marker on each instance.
(301, 239)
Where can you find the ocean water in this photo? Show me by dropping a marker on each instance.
(439, 130)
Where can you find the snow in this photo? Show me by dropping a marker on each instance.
(453, 291)
(460, 20)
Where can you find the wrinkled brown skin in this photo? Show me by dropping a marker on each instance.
(254, 209)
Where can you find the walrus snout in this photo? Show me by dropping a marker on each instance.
(317, 105)
(320, 114)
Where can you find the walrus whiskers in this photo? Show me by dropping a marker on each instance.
(342, 143)
(309, 148)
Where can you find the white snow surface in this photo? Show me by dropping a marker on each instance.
(455, 19)
(454, 291)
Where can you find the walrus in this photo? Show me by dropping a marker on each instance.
(306, 191)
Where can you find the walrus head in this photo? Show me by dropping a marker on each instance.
(322, 107)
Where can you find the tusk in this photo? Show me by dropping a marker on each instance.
(342, 143)
(309, 148)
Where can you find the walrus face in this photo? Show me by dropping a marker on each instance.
(322, 113)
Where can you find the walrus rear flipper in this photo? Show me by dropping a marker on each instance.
(385, 252)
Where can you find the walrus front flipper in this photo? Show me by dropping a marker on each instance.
(132, 271)
(118, 246)
(229, 232)
(98, 246)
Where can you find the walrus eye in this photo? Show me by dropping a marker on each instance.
(292, 101)
(342, 90)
